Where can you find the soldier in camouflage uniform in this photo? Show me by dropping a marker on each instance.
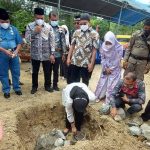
(83, 51)
(137, 57)
(60, 48)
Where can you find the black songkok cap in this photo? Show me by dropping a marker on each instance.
(85, 16)
(39, 11)
(147, 22)
(77, 18)
(3, 14)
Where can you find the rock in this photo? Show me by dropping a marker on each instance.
(105, 109)
(117, 118)
(136, 122)
(146, 131)
(121, 113)
(134, 130)
(59, 142)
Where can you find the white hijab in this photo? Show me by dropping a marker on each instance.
(116, 46)
(66, 35)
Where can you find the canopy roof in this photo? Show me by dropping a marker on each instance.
(119, 11)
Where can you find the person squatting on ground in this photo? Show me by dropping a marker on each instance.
(75, 98)
(82, 53)
(41, 37)
(60, 48)
(128, 91)
(137, 56)
(111, 55)
(10, 44)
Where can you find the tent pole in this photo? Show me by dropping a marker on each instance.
(59, 6)
(119, 20)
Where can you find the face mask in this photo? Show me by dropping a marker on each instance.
(39, 22)
(84, 27)
(5, 25)
(109, 46)
(54, 23)
(147, 33)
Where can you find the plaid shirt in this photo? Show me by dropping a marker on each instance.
(43, 43)
(84, 43)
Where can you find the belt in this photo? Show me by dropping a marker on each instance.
(139, 57)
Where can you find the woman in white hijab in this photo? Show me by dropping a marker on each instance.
(111, 55)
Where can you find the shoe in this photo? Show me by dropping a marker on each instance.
(7, 95)
(20, 83)
(55, 88)
(49, 89)
(18, 92)
(34, 90)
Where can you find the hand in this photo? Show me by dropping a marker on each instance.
(38, 29)
(9, 53)
(74, 130)
(52, 59)
(125, 98)
(124, 64)
(108, 70)
(113, 112)
(68, 61)
(63, 58)
(90, 67)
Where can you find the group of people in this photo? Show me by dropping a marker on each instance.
(51, 45)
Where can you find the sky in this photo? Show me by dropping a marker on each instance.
(141, 4)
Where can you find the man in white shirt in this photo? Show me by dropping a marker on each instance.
(75, 98)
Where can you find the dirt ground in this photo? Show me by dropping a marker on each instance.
(28, 116)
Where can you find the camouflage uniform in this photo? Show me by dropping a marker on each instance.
(137, 55)
(84, 43)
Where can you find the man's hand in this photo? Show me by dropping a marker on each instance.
(90, 67)
(125, 98)
(74, 129)
(68, 61)
(9, 53)
(63, 58)
(38, 29)
(113, 112)
(124, 64)
(52, 59)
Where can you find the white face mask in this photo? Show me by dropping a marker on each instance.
(5, 25)
(54, 23)
(109, 46)
(84, 27)
(39, 22)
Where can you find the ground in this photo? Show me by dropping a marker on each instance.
(26, 117)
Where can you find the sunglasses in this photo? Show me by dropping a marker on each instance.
(84, 23)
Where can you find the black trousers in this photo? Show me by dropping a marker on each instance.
(55, 69)
(78, 120)
(79, 72)
(146, 115)
(63, 69)
(35, 71)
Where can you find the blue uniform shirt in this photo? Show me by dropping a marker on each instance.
(9, 38)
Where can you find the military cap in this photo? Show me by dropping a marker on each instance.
(85, 16)
(3, 14)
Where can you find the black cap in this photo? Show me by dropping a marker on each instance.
(77, 17)
(39, 11)
(3, 14)
(80, 104)
(85, 16)
(147, 22)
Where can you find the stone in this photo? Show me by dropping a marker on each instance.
(121, 113)
(146, 131)
(59, 142)
(105, 109)
(117, 118)
(135, 131)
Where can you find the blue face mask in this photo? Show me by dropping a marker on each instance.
(54, 23)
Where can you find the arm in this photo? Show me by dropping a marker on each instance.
(128, 51)
(72, 47)
(69, 112)
(141, 95)
(115, 93)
